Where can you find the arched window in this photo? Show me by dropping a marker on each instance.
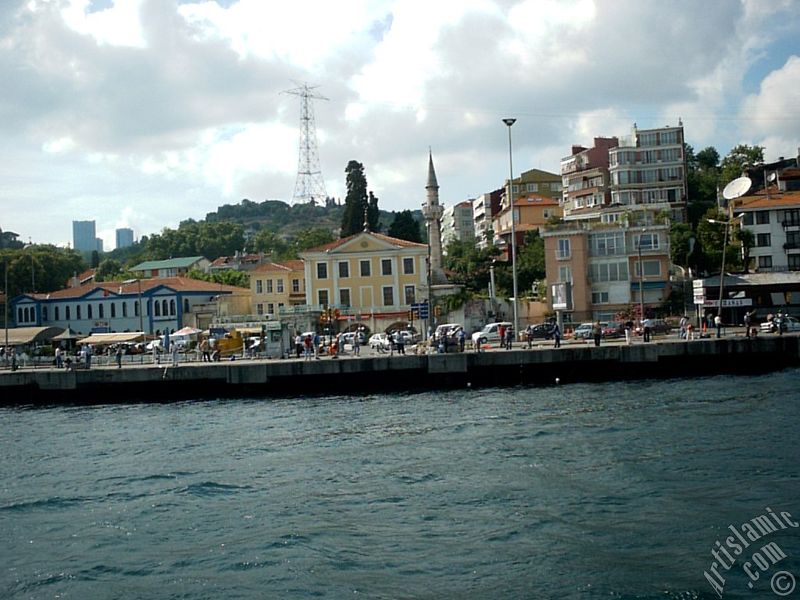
(44, 313)
(78, 312)
(88, 311)
(113, 310)
(21, 315)
(172, 306)
(186, 305)
(100, 311)
(55, 313)
(124, 309)
(135, 308)
(164, 307)
(157, 306)
(66, 313)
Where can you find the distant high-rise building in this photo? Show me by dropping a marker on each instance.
(124, 237)
(98, 244)
(84, 236)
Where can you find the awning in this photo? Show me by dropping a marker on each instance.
(100, 339)
(68, 334)
(186, 331)
(20, 336)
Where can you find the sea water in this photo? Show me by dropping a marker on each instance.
(610, 490)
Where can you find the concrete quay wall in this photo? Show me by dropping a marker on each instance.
(386, 374)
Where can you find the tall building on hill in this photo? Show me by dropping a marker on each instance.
(124, 237)
(648, 174)
(84, 236)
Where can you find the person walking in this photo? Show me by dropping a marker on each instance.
(357, 343)
(462, 339)
(689, 331)
(683, 323)
(597, 333)
(529, 336)
(628, 331)
(747, 324)
(175, 355)
(118, 356)
(509, 337)
(59, 358)
(501, 331)
(89, 350)
(556, 336)
(204, 349)
(401, 342)
(307, 343)
(718, 325)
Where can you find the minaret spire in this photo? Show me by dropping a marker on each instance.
(433, 211)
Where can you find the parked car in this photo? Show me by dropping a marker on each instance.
(658, 326)
(614, 329)
(540, 331)
(490, 333)
(787, 324)
(583, 331)
(350, 336)
(380, 342)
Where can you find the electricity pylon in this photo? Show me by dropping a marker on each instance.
(310, 186)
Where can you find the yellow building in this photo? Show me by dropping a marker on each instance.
(368, 275)
(274, 286)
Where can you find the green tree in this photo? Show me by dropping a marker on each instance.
(530, 261)
(108, 270)
(734, 164)
(708, 158)
(269, 242)
(405, 227)
(42, 266)
(680, 235)
(711, 236)
(311, 238)
(702, 180)
(469, 265)
(356, 201)
(228, 277)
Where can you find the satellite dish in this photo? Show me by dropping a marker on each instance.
(737, 187)
(772, 177)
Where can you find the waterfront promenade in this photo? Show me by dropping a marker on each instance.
(371, 372)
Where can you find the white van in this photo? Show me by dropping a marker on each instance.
(490, 333)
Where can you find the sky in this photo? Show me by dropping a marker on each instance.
(144, 113)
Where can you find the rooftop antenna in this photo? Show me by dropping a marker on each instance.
(310, 186)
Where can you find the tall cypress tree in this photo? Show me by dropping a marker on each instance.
(355, 201)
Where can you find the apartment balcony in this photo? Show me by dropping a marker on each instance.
(790, 223)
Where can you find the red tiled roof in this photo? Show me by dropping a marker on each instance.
(391, 240)
(777, 199)
(288, 265)
(179, 284)
(244, 258)
(87, 275)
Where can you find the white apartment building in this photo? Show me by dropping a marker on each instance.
(458, 223)
(648, 173)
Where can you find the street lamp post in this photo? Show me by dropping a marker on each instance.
(509, 122)
(5, 316)
(722, 267)
(641, 282)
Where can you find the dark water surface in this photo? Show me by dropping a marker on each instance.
(601, 491)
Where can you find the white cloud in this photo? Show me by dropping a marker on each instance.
(770, 116)
(118, 25)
